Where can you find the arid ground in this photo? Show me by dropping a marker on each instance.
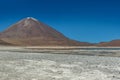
(18, 63)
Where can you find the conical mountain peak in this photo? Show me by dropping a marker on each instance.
(30, 28)
(30, 31)
(31, 18)
(28, 20)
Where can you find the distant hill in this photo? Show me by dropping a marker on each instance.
(113, 43)
(31, 32)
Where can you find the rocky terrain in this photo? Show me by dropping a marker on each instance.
(41, 66)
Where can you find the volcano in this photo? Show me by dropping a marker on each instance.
(31, 32)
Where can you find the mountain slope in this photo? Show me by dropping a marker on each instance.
(31, 32)
(4, 43)
(111, 43)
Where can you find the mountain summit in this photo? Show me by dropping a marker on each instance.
(31, 27)
(30, 31)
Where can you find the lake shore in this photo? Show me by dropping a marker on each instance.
(73, 50)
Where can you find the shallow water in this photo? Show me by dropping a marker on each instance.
(40, 66)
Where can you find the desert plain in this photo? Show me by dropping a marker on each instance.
(59, 63)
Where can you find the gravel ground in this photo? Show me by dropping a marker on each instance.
(44, 66)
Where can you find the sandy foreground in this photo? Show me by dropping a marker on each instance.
(18, 63)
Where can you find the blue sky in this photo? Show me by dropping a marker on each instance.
(82, 20)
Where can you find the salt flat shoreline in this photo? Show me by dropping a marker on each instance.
(55, 47)
(74, 50)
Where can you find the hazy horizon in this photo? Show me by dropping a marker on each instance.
(83, 20)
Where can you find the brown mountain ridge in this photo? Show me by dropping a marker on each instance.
(31, 32)
(113, 43)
